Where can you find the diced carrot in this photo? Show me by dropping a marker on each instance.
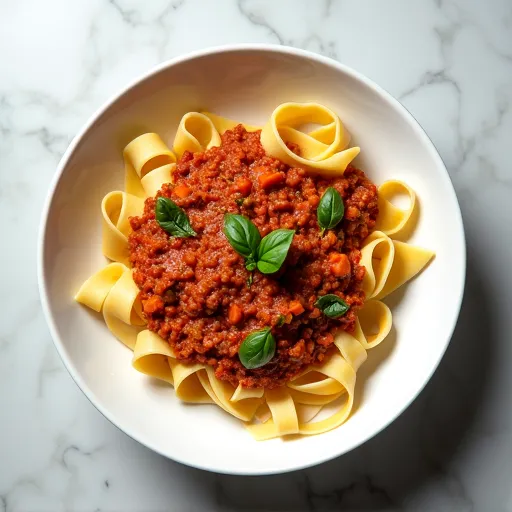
(270, 179)
(295, 307)
(244, 186)
(341, 265)
(335, 256)
(235, 314)
(182, 191)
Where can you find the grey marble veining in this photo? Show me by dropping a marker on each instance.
(449, 62)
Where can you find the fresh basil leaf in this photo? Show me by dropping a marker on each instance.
(273, 250)
(330, 209)
(257, 349)
(242, 234)
(172, 218)
(332, 306)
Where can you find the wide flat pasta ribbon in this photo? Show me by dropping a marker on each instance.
(196, 133)
(143, 157)
(242, 393)
(373, 324)
(389, 264)
(391, 219)
(223, 123)
(122, 310)
(94, 290)
(116, 209)
(112, 291)
(187, 384)
(285, 419)
(151, 356)
(377, 256)
(323, 151)
(221, 392)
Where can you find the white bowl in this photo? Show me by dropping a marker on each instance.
(246, 83)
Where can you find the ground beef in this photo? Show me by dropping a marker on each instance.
(194, 290)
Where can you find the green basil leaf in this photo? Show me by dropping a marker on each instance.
(332, 306)
(172, 218)
(242, 234)
(330, 209)
(257, 349)
(273, 250)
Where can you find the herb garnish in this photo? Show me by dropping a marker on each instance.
(268, 254)
(273, 249)
(172, 218)
(257, 349)
(332, 306)
(330, 209)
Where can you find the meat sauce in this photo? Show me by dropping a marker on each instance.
(195, 291)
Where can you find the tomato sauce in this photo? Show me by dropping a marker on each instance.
(195, 291)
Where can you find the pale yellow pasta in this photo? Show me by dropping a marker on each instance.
(187, 384)
(151, 356)
(323, 151)
(284, 416)
(408, 261)
(223, 123)
(389, 263)
(305, 413)
(116, 208)
(377, 256)
(392, 220)
(196, 132)
(94, 291)
(220, 392)
(242, 393)
(142, 156)
(121, 310)
(373, 324)
(113, 291)
(153, 180)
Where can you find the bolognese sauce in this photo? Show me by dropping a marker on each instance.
(197, 293)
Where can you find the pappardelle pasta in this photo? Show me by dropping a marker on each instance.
(248, 265)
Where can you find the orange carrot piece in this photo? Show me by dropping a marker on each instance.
(235, 314)
(341, 266)
(270, 179)
(182, 191)
(295, 307)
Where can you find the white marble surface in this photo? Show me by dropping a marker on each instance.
(449, 61)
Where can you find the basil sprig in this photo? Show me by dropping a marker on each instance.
(244, 237)
(330, 209)
(257, 349)
(273, 249)
(332, 306)
(172, 218)
(267, 254)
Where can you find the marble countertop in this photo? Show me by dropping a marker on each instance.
(449, 62)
